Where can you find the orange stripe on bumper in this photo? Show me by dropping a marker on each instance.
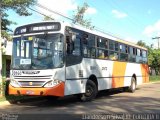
(57, 90)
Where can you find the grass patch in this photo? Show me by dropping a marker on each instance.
(154, 78)
(2, 99)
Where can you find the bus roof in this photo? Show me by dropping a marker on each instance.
(95, 32)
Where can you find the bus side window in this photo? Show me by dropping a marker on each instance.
(132, 57)
(73, 45)
(91, 45)
(85, 45)
(106, 54)
(116, 46)
(102, 43)
(69, 45)
(139, 56)
(88, 45)
(144, 55)
(101, 54)
(112, 45)
(73, 50)
(134, 51)
(113, 55)
(123, 52)
(77, 46)
(126, 48)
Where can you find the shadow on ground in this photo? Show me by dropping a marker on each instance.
(106, 102)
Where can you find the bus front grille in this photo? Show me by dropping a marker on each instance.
(31, 83)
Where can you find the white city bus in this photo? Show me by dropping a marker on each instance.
(60, 59)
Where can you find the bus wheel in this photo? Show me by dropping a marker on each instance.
(91, 91)
(132, 88)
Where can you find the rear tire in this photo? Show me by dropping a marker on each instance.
(91, 91)
(132, 88)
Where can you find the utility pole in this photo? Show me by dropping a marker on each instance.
(158, 41)
(1, 81)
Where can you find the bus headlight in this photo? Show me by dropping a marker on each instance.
(14, 83)
(52, 83)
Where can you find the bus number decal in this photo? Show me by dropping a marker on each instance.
(104, 68)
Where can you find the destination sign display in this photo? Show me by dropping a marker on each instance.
(38, 27)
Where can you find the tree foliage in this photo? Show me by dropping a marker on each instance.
(154, 60)
(19, 6)
(79, 16)
(141, 43)
(6, 35)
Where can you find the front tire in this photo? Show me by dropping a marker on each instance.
(91, 91)
(132, 88)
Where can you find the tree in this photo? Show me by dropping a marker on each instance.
(6, 35)
(79, 16)
(19, 6)
(141, 43)
(154, 60)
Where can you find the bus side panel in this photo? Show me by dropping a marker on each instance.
(118, 73)
(75, 86)
(77, 75)
(140, 71)
(101, 69)
(75, 82)
(145, 73)
(103, 72)
(132, 69)
(59, 74)
(109, 74)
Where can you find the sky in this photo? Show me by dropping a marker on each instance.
(131, 20)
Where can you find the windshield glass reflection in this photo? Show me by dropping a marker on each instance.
(38, 52)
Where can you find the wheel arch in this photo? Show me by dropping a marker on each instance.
(94, 79)
(135, 77)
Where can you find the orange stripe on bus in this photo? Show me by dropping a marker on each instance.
(119, 69)
(145, 73)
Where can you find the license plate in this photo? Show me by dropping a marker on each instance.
(29, 92)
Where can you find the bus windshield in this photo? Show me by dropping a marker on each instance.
(43, 51)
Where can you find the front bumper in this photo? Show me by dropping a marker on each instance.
(57, 90)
